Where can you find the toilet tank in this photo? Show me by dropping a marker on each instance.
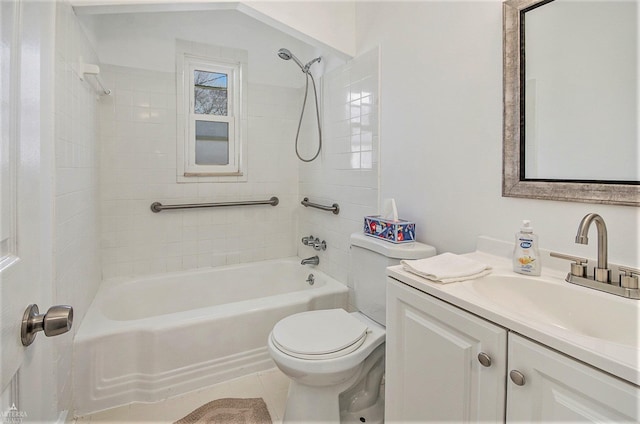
(368, 259)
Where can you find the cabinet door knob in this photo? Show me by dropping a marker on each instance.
(484, 359)
(517, 377)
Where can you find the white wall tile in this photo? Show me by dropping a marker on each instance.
(347, 170)
(138, 167)
(76, 234)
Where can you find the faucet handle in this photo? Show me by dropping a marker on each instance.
(307, 241)
(319, 245)
(629, 277)
(579, 265)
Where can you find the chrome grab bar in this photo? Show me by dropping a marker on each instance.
(335, 208)
(157, 206)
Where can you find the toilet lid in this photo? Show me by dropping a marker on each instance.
(319, 334)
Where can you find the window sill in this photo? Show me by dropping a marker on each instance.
(204, 177)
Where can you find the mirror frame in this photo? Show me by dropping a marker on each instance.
(512, 185)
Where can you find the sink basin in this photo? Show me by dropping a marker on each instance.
(577, 309)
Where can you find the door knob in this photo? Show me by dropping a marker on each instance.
(57, 320)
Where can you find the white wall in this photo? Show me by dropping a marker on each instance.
(441, 119)
(138, 154)
(328, 25)
(441, 131)
(138, 167)
(331, 23)
(347, 170)
(147, 41)
(77, 226)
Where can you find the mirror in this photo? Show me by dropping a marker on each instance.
(571, 100)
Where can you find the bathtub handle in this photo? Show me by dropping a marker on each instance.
(319, 245)
(311, 279)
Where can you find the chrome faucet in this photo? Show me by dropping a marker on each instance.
(314, 260)
(628, 284)
(602, 272)
(314, 242)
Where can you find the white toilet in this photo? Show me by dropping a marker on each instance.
(335, 359)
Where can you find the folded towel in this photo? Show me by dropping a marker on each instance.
(446, 268)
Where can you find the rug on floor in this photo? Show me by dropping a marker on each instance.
(229, 411)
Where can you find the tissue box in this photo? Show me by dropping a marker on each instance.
(399, 231)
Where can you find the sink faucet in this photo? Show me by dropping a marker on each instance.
(602, 272)
(627, 286)
(314, 260)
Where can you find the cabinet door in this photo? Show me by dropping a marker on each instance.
(432, 369)
(558, 388)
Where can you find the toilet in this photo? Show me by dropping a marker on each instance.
(335, 359)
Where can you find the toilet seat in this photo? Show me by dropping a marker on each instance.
(321, 334)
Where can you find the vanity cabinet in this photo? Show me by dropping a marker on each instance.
(557, 388)
(436, 371)
(433, 373)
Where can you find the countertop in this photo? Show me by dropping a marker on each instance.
(620, 360)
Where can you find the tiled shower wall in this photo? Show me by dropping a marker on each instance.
(76, 232)
(138, 167)
(347, 171)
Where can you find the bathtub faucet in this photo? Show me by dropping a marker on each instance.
(314, 260)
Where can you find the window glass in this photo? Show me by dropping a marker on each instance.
(212, 143)
(210, 93)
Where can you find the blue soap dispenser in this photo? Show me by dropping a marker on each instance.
(526, 258)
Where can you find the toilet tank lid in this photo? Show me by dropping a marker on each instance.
(413, 250)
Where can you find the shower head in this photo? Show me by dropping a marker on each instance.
(286, 54)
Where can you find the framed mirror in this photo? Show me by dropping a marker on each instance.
(570, 100)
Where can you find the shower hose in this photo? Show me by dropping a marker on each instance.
(304, 103)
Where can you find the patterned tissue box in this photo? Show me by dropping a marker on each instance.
(399, 231)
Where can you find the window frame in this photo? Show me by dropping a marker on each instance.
(189, 58)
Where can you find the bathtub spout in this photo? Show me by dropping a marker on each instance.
(314, 260)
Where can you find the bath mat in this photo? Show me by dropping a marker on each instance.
(229, 411)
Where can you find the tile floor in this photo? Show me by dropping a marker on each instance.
(270, 385)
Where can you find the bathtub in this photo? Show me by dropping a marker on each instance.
(146, 339)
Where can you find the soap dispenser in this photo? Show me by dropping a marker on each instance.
(526, 258)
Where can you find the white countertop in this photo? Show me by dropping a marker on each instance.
(621, 360)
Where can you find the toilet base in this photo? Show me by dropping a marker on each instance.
(360, 397)
(371, 415)
(304, 402)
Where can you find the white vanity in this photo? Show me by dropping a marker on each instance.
(507, 347)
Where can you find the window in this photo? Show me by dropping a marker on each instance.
(211, 146)
(210, 115)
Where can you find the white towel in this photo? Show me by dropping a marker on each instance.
(446, 268)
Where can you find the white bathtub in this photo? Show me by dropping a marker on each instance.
(146, 339)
